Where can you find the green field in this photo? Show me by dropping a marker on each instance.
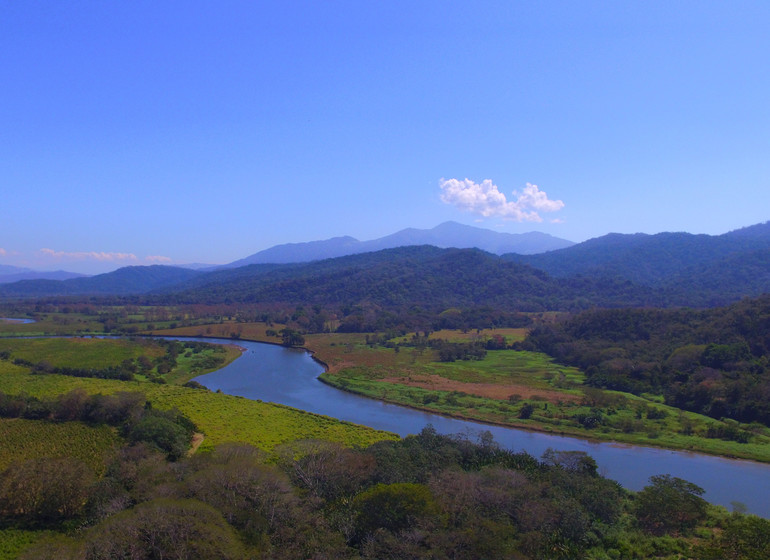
(22, 440)
(54, 324)
(222, 418)
(100, 354)
(81, 352)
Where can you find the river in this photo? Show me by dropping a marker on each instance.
(15, 320)
(290, 376)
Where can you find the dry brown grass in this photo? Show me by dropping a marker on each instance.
(489, 390)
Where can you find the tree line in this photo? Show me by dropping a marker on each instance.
(714, 362)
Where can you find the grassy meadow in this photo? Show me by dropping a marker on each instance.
(83, 353)
(22, 440)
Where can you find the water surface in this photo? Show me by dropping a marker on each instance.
(290, 376)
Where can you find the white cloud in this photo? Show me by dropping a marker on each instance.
(88, 255)
(484, 198)
(157, 259)
(3, 252)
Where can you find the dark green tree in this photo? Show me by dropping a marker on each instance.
(290, 337)
(669, 504)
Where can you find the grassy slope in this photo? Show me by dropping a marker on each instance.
(14, 541)
(220, 417)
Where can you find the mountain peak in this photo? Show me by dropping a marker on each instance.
(444, 235)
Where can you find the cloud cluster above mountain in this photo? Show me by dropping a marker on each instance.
(486, 200)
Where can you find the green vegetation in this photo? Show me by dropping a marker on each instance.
(315, 487)
(23, 440)
(86, 353)
(529, 390)
(713, 362)
(426, 496)
(222, 418)
(157, 360)
(14, 541)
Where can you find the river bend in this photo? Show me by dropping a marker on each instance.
(290, 376)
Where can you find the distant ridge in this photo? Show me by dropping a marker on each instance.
(126, 280)
(38, 275)
(445, 236)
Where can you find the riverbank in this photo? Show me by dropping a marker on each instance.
(559, 404)
(675, 442)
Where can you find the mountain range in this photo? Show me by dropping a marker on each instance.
(10, 274)
(666, 269)
(446, 235)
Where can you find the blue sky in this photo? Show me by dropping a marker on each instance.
(174, 132)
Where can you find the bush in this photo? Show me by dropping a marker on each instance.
(526, 411)
(163, 433)
(391, 506)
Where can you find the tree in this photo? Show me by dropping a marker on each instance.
(45, 490)
(743, 537)
(290, 337)
(669, 504)
(326, 469)
(391, 506)
(164, 528)
(162, 432)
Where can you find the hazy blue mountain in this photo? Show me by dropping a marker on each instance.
(303, 252)
(454, 235)
(127, 280)
(446, 235)
(9, 269)
(29, 274)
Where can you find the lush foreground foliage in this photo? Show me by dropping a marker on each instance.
(427, 496)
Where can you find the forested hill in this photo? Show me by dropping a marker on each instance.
(422, 276)
(661, 260)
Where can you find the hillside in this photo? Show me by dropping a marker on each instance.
(409, 276)
(653, 260)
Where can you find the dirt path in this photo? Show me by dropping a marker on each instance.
(197, 439)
